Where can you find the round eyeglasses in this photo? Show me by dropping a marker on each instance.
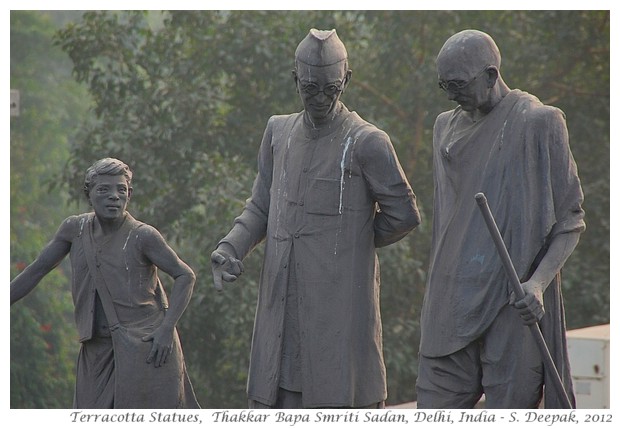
(458, 85)
(329, 90)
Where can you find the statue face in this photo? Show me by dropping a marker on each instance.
(320, 88)
(467, 78)
(109, 196)
(467, 86)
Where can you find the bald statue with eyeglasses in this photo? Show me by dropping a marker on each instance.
(507, 144)
(329, 191)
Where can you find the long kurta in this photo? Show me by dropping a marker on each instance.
(139, 303)
(519, 156)
(316, 196)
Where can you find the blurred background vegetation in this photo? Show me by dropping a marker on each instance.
(183, 98)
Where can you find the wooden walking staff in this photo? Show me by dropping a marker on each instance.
(518, 290)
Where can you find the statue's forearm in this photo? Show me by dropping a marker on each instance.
(559, 251)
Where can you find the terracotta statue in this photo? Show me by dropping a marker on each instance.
(130, 354)
(329, 191)
(508, 145)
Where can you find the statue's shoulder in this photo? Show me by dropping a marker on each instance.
(79, 218)
(276, 120)
(278, 123)
(444, 117)
(536, 111)
(362, 128)
(73, 226)
(141, 229)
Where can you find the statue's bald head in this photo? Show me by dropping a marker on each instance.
(321, 48)
(472, 49)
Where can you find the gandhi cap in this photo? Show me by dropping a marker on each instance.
(321, 48)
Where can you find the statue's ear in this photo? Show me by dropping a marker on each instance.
(347, 79)
(492, 76)
(294, 75)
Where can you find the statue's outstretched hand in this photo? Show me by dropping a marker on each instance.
(224, 267)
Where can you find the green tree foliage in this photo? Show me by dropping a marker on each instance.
(43, 338)
(184, 96)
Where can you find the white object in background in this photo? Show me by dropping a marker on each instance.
(588, 352)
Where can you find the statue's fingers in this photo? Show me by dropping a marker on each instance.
(236, 266)
(228, 277)
(217, 279)
(152, 354)
(239, 263)
(218, 258)
(161, 357)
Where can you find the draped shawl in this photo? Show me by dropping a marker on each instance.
(519, 156)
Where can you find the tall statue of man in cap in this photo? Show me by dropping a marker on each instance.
(329, 191)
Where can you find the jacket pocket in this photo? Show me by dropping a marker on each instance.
(324, 197)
